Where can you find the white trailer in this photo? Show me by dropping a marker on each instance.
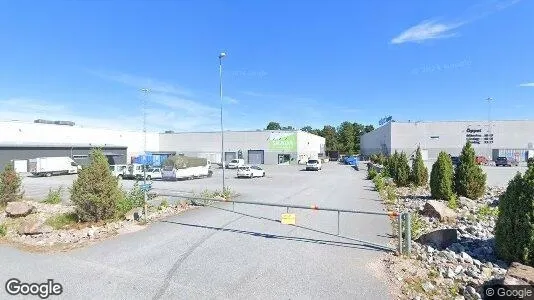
(48, 166)
(172, 173)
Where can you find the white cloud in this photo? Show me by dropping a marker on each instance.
(426, 30)
(432, 29)
(231, 100)
(528, 84)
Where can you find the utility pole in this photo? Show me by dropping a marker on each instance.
(221, 56)
(145, 190)
(490, 138)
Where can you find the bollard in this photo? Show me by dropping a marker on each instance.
(407, 234)
(399, 221)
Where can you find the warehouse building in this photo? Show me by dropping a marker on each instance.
(490, 139)
(21, 141)
(255, 147)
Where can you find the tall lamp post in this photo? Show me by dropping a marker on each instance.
(221, 56)
(145, 191)
(490, 138)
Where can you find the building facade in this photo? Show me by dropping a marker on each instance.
(489, 139)
(24, 140)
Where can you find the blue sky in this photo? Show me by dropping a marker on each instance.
(296, 62)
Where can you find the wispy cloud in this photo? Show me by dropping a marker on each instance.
(528, 84)
(231, 100)
(431, 29)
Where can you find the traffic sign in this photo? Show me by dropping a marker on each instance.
(146, 187)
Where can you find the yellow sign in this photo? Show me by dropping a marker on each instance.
(288, 219)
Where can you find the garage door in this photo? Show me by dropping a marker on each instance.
(255, 157)
(228, 156)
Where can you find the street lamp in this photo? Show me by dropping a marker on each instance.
(221, 56)
(145, 210)
(490, 138)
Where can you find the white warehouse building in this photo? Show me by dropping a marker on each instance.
(21, 141)
(490, 139)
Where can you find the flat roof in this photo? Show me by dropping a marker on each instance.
(59, 145)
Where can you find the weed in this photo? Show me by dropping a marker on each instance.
(62, 221)
(418, 225)
(164, 204)
(54, 196)
(485, 212)
(3, 230)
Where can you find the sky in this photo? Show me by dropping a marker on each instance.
(294, 62)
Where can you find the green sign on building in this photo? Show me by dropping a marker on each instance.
(283, 141)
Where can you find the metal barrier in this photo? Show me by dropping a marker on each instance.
(403, 219)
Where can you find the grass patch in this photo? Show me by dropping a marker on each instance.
(54, 196)
(3, 230)
(62, 221)
(485, 212)
(164, 204)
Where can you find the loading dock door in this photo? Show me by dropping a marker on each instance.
(255, 157)
(228, 156)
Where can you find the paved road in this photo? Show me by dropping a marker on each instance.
(216, 254)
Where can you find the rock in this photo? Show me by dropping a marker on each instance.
(487, 272)
(450, 273)
(91, 233)
(437, 209)
(458, 269)
(477, 263)
(519, 274)
(427, 286)
(471, 294)
(466, 258)
(467, 203)
(472, 274)
(441, 238)
(459, 298)
(429, 249)
(456, 247)
(134, 214)
(34, 226)
(19, 209)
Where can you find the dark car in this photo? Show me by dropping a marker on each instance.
(506, 161)
(455, 160)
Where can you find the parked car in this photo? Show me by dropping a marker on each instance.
(235, 163)
(153, 173)
(313, 164)
(118, 170)
(506, 161)
(481, 160)
(250, 171)
(455, 160)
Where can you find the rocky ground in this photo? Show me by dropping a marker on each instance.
(453, 252)
(29, 225)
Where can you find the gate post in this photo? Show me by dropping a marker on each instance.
(399, 230)
(408, 234)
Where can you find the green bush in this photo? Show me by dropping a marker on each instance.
(95, 192)
(380, 182)
(441, 178)
(3, 230)
(54, 196)
(371, 173)
(514, 229)
(485, 212)
(418, 225)
(419, 175)
(392, 165)
(62, 221)
(452, 202)
(134, 198)
(390, 194)
(469, 179)
(403, 171)
(10, 185)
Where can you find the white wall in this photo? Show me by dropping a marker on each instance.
(378, 140)
(309, 145)
(12, 132)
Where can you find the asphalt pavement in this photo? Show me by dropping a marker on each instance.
(215, 253)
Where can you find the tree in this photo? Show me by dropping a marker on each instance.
(514, 229)
(273, 126)
(419, 175)
(95, 192)
(307, 129)
(369, 128)
(347, 137)
(287, 128)
(403, 170)
(469, 179)
(441, 178)
(10, 185)
(329, 133)
(358, 132)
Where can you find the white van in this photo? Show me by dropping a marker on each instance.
(235, 163)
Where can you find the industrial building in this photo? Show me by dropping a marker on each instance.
(490, 139)
(21, 141)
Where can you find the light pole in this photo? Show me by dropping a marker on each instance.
(221, 56)
(145, 210)
(490, 138)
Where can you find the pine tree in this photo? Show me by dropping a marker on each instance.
(419, 175)
(441, 178)
(10, 185)
(96, 192)
(469, 179)
(403, 170)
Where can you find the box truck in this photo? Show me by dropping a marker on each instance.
(182, 167)
(48, 166)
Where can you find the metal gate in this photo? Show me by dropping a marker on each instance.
(255, 157)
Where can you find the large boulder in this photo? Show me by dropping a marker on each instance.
(19, 209)
(34, 226)
(467, 203)
(440, 239)
(437, 209)
(518, 274)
